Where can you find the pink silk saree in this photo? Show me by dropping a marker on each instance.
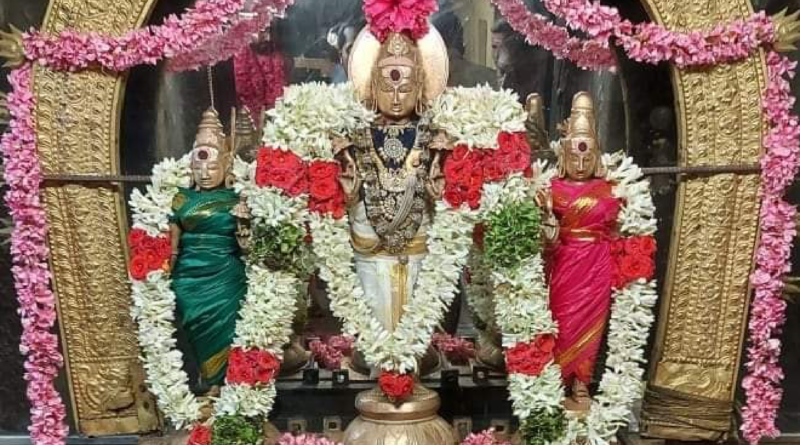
(580, 272)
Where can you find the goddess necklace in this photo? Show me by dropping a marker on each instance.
(393, 150)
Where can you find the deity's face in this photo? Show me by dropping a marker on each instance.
(580, 158)
(398, 89)
(207, 170)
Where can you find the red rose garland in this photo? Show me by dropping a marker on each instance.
(633, 259)
(288, 172)
(465, 170)
(148, 253)
(397, 387)
(531, 358)
(251, 367)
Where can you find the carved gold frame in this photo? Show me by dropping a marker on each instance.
(714, 234)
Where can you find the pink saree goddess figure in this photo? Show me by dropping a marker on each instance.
(581, 207)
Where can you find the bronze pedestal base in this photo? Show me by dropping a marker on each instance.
(414, 422)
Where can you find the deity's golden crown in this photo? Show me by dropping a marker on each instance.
(581, 120)
(398, 49)
(210, 144)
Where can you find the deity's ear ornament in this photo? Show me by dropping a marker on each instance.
(367, 50)
(581, 124)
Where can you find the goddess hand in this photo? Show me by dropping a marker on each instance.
(11, 48)
(544, 199)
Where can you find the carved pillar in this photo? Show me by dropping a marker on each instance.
(693, 373)
(77, 121)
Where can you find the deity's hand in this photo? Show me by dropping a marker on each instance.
(544, 199)
(436, 182)
(243, 233)
(339, 144)
(11, 48)
(348, 178)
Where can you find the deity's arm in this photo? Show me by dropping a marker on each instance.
(550, 225)
(349, 178)
(242, 213)
(175, 240)
(440, 144)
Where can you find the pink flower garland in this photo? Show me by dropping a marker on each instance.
(779, 165)
(31, 271)
(304, 439)
(212, 31)
(234, 40)
(537, 29)
(486, 437)
(260, 79)
(653, 43)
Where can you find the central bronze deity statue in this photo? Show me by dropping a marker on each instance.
(392, 176)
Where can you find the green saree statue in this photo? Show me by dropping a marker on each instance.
(208, 276)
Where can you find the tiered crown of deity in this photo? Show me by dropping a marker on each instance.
(210, 143)
(582, 123)
(398, 50)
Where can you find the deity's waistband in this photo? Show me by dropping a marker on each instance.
(366, 246)
(586, 235)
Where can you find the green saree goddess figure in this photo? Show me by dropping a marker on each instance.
(208, 275)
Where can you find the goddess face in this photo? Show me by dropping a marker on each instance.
(398, 90)
(580, 158)
(207, 170)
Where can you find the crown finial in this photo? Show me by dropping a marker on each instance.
(581, 119)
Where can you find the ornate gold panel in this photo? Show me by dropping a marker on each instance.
(77, 121)
(705, 299)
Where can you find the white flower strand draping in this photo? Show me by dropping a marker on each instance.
(449, 240)
(475, 116)
(265, 316)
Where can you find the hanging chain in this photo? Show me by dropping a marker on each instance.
(210, 75)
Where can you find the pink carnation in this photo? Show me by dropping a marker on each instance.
(305, 439)
(387, 16)
(486, 437)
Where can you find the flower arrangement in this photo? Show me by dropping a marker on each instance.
(308, 114)
(148, 253)
(486, 437)
(29, 252)
(633, 260)
(762, 381)
(260, 79)
(281, 247)
(263, 327)
(411, 16)
(475, 116)
(397, 386)
(304, 439)
(512, 235)
(331, 352)
(458, 350)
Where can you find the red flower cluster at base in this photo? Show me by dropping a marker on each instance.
(397, 387)
(148, 253)
(288, 172)
(200, 435)
(531, 358)
(633, 259)
(251, 366)
(465, 170)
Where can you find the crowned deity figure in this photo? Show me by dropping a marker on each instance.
(583, 212)
(208, 276)
(391, 172)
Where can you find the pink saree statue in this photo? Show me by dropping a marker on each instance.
(579, 256)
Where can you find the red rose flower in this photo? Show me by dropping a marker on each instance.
(397, 387)
(531, 358)
(135, 238)
(165, 248)
(453, 196)
(322, 190)
(474, 198)
(200, 435)
(281, 169)
(618, 247)
(139, 267)
(640, 245)
(149, 243)
(241, 369)
(267, 365)
(323, 170)
(154, 260)
(633, 267)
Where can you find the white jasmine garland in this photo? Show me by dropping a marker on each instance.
(449, 240)
(265, 316)
(308, 114)
(475, 116)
